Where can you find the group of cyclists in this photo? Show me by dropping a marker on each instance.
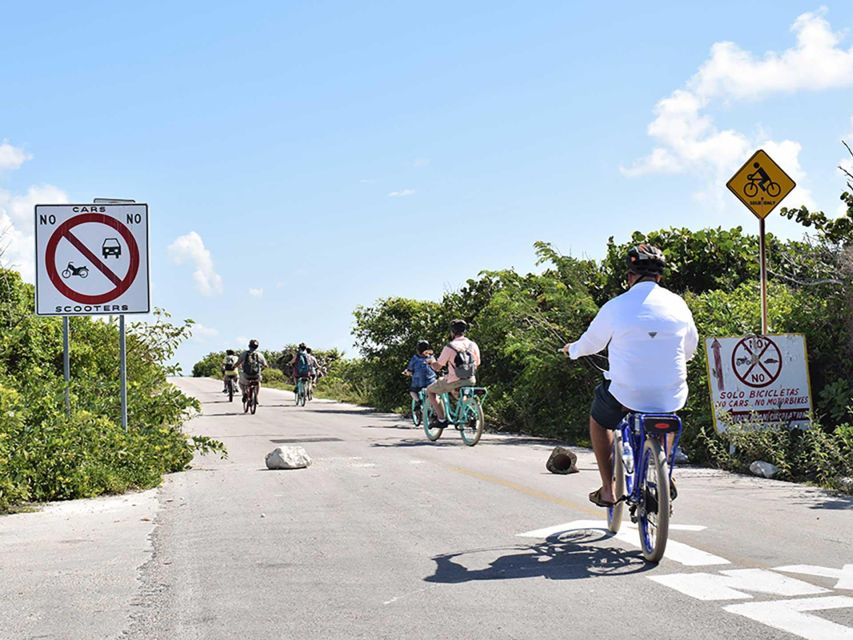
(247, 367)
(648, 332)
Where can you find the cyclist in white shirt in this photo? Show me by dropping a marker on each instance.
(650, 335)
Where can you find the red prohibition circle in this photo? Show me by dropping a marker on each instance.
(120, 287)
(744, 378)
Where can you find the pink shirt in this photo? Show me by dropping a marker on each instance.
(448, 354)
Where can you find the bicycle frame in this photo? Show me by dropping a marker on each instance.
(633, 429)
(453, 411)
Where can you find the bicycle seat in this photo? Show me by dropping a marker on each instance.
(477, 391)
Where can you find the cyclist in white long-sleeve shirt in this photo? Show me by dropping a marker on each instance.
(650, 335)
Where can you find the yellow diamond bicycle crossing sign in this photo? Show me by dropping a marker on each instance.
(761, 184)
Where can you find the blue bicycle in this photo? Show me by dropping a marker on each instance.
(644, 446)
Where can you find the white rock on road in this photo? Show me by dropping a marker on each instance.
(764, 469)
(288, 458)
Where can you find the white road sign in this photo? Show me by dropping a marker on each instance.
(91, 259)
(759, 379)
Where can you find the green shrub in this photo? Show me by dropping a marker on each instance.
(46, 454)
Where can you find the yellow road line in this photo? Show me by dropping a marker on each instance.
(528, 491)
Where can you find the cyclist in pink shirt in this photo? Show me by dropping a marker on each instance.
(461, 356)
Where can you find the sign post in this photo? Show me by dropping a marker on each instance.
(761, 184)
(66, 363)
(92, 259)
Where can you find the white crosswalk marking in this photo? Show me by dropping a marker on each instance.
(732, 584)
(675, 551)
(843, 575)
(790, 616)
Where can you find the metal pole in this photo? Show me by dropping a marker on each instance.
(122, 354)
(763, 259)
(66, 363)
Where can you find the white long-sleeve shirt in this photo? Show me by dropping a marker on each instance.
(651, 336)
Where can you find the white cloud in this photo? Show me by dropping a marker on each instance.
(12, 157)
(402, 193)
(16, 226)
(203, 332)
(190, 248)
(689, 141)
(256, 293)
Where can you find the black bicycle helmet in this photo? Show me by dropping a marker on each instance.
(646, 260)
(302, 346)
(253, 344)
(423, 345)
(230, 352)
(458, 327)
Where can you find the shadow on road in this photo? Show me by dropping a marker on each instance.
(566, 556)
(417, 443)
(832, 502)
(348, 412)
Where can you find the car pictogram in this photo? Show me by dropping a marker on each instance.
(111, 247)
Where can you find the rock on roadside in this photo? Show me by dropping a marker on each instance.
(288, 458)
(763, 469)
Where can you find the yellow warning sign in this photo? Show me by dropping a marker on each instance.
(761, 184)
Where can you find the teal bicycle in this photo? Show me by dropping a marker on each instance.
(465, 412)
(301, 391)
(418, 407)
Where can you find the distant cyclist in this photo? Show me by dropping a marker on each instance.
(313, 366)
(419, 370)
(301, 365)
(461, 356)
(650, 335)
(250, 365)
(229, 368)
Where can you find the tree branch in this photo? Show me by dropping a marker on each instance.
(805, 283)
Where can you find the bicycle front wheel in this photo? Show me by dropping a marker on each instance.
(417, 416)
(471, 428)
(432, 434)
(614, 513)
(654, 507)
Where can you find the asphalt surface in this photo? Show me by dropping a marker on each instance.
(389, 536)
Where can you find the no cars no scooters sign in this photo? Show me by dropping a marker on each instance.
(91, 259)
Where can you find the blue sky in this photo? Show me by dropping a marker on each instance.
(300, 159)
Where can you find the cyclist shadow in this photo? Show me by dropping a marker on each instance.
(565, 556)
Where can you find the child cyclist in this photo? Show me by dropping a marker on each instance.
(419, 371)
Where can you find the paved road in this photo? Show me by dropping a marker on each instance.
(389, 536)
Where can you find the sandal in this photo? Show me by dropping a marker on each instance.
(596, 499)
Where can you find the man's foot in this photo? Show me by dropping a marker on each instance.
(673, 492)
(438, 424)
(598, 500)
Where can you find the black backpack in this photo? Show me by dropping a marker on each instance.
(252, 365)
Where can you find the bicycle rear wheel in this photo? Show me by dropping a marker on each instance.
(614, 513)
(230, 390)
(654, 507)
(773, 189)
(471, 428)
(253, 399)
